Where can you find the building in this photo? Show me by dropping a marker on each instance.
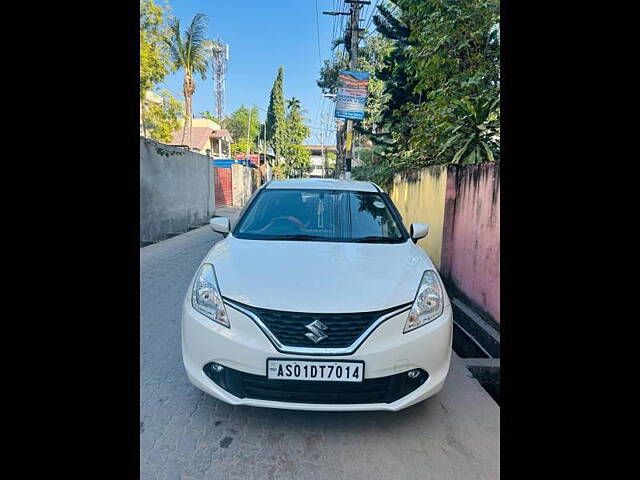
(205, 136)
(319, 166)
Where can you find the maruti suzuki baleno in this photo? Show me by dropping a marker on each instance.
(318, 299)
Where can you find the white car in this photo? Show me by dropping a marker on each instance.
(318, 299)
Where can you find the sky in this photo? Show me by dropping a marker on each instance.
(262, 36)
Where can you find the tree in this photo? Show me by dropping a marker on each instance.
(162, 120)
(370, 59)
(456, 62)
(394, 120)
(441, 86)
(293, 103)
(189, 53)
(154, 56)
(208, 115)
(330, 162)
(298, 161)
(276, 121)
(297, 156)
(238, 123)
(240, 146)
(296, 131)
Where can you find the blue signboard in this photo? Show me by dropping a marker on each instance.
(352, 94)
(227, 162)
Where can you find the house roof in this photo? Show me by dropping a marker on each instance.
(224, 134)
(199, 137)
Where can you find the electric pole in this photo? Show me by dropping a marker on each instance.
(338, 168)
(354, 30)
(248, 129)
(354, 35)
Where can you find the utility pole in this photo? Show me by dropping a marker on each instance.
(248, 129)
(354, 30)
(338, 167)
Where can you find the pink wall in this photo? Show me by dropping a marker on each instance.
(471, 240)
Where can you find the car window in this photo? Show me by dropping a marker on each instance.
(370, 216)
(320, 215)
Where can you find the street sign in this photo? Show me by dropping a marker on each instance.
(352, 94)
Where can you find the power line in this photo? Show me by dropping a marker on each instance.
(310, 126)
(318, 35)
(372, 14)
(374, 31)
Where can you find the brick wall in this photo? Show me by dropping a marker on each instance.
(223, 187)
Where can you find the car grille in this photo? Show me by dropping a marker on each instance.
(290, 328)
(372, 390)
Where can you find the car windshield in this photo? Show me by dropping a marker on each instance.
(320, 215)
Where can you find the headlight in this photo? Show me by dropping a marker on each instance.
(428, 304)
(206, 297)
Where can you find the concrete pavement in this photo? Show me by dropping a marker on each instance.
(187, 435)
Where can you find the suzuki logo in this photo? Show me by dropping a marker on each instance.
(316, 333)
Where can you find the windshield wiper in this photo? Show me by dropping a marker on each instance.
(374, 239)
(296, 237)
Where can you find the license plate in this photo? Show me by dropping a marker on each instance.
(315, 370)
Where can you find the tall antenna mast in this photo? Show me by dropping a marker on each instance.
(220, 55)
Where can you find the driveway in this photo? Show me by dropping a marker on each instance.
(186, 434)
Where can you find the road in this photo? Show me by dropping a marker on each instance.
(187, 435)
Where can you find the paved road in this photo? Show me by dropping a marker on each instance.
(188, 435)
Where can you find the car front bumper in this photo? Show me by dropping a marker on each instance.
(387, 351)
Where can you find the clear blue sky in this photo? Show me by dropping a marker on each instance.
(262, 36)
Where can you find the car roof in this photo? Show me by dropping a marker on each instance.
(323, 184)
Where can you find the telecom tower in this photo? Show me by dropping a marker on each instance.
(220, 56)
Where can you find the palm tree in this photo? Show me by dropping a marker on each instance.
(293, 103)
(189, 53)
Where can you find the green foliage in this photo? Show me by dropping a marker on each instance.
(298, 161)
(162, 120)
(297, 157)
(436, 77)
(189, 53)
(328, 81)
(163, 152)
(473, 135)
(370, 59)
(455, 63)
(238, 123)
(330, 163)
(374, 168)
(207, 114)
(154, 55)
(276, 121)
(241, 146)
(296, 130)
(286, 132)
(279, 171)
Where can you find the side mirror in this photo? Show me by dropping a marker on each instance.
(418, 231)
(220, 224)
